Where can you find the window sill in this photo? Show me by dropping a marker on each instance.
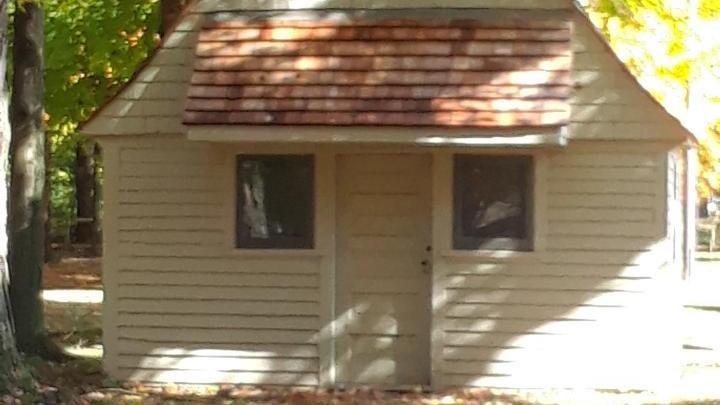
(495, 255)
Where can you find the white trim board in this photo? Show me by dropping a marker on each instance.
(389, 135)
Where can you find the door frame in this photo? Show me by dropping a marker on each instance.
(341, 321)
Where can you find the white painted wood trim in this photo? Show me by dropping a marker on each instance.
(442, 236)
(392, 135)
(343, 348)
(540, 204)
(110, 260)
(496, 256)
(690, 153)
(325, 206)
(227, 156)
(662, 208)
(229, 199)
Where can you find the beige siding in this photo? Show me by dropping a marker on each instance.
(589, 309)
(185, 307)
(608, 102)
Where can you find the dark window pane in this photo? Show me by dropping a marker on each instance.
(492, 207)
(275, 201)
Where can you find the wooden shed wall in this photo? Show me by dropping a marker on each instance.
(608, 103)
(590, 307)
(180, 307)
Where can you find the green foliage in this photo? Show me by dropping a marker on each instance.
(20, 380)
(92, 47)
(7, 376)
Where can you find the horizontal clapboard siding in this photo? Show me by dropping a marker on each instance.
(186, 309)
(593, 288)
(608, 103)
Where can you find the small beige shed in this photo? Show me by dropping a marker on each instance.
(396, 193)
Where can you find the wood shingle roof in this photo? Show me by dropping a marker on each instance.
(391, 72)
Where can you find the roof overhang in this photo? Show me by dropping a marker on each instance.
(497, 138)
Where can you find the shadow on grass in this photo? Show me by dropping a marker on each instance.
(704, 308)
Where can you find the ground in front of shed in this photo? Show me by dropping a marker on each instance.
(73, 300)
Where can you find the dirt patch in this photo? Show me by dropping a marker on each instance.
(73, 273)
(71, 323)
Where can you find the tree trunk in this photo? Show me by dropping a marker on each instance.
(47, 213)
(170, 11)
(8, 352)
(27, 182)
(85, 192)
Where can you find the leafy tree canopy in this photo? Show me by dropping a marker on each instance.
(92, 48)
(675, 52)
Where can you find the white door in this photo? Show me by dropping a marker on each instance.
(383, 262)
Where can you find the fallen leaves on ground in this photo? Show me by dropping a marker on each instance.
(73, 272)
(82, 382)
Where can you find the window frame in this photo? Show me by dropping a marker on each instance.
(461, 242)
(242, 239)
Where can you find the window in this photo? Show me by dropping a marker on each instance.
(492, 202)
(275, 202)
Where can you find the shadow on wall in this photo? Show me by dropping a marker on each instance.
(505, 325)
(559, 324)
(567, 318)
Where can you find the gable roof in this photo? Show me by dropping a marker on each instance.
(154, 101)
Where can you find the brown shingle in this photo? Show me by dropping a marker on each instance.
(249, 63)
(465, 73)
(379, 34)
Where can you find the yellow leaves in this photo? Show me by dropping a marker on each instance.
(133, 38)
(709, 156)
(709, 9)
(671, 53)
(74, 79)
